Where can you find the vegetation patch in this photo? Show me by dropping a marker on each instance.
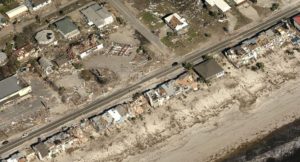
(7, 5)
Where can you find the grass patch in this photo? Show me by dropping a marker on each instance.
(152, 21)
(192, 34)
(8, 5)
(167, 41)
(148, 17)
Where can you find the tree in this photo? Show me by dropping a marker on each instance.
(207, 34)
(61, 12)
(188, 66)
(254, 1)
(86, 75)
(260, 65)
(207, 57)
(77, 65)
(213, 14)
(61, 90)
(274, 6)
(225, 29)
(38, 19)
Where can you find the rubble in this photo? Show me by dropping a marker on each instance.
(252, 49)
(165, 91)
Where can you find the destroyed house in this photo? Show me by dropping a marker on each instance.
(242, 54)
(296, 21)
(25, 52)
(15, 157)
(123, 112)
(59, 142)
(61, 60)
(186, 82)
(154, 98)
(46, 65)
(162, 92)
(37, 4)
(98, 123)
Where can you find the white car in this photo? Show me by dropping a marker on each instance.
(25, 135)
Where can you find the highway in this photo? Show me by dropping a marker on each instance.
(102, 103)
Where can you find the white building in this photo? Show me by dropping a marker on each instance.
(238, 2)
(90, 51)
(37, 4)
(221, 4)
(13, 87)
(16, 11)
(97, 15)
(175, 22)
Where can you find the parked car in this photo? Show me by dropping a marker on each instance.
(25, 135)
(174, 64)
(5, 142)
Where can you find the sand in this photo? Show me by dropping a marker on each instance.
(233, 128)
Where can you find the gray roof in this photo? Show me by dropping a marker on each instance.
(96, 14)
(169, 88)
(42, 149)
(2, 19)
(208, 69)
(66, 26)
(122, 110)
(44, 62)
(60, 60)
(9, 86)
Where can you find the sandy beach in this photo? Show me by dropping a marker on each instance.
(204, 125)
(233, 129)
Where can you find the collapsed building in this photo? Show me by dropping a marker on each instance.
(251, 49)
(157, 96)
(85, 48)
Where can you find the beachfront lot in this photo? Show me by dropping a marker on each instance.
(240, 107)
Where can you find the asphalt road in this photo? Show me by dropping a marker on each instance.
(11, 147)
(130, 17)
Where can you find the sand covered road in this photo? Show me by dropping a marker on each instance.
(232, 129)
